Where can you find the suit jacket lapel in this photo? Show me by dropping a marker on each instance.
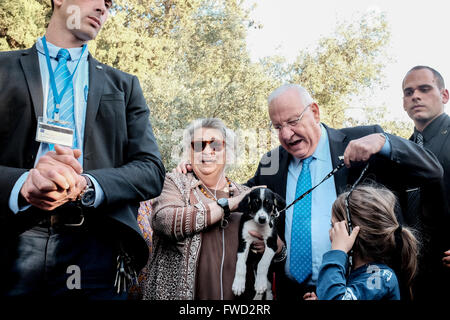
(32, 72)
(283, 170)
(96, 84)
(338, 143)
(279, 185)
(438, 145)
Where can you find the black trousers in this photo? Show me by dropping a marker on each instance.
(69, 262)
(287, 289)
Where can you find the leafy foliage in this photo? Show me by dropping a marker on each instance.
(343, 64)
(192, 61)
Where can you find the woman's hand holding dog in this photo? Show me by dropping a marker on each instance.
(340, 239)
(233, 202)
(259, 246)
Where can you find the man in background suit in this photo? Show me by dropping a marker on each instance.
(424, 98)
(68, 213)
(396, 163)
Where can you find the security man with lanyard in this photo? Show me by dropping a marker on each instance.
(77, 156)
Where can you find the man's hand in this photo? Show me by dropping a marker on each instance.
(446, 259)
(363, 148)
(340, 240)
(38, 191)
(55, 180)
(61, 167)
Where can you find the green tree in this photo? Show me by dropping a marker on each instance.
(192, 60)
(22, 22)
(203, 70)
(343, 64)
(380, 115)
(190, 57)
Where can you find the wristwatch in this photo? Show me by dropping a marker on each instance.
(87, 197)
(223, 203)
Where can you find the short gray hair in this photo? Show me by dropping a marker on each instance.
(213, 123)
(304, 94)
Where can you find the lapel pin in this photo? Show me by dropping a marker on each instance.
(99, 67)
(444, 131)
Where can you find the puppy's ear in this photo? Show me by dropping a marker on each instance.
(279, 202)
(244, 204)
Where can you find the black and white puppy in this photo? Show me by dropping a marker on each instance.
(259, 209)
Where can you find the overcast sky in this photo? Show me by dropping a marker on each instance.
(419, 34)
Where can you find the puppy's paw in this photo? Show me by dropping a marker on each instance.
(260, 284)
(269, 294)
(258, 296)
(238, 285)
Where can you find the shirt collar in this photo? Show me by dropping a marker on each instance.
(321, 152)
(75, 53)
(432, 129)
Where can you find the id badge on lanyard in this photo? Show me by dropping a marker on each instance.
(56, 131)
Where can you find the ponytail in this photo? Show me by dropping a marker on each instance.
(381, 238)
(405, 260)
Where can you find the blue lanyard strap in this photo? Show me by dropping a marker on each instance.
(57, 97)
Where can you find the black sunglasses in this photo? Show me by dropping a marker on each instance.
(347, 211)
(215, 145)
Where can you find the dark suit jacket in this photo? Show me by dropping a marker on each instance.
(437, 140)
(409, 166)
(120, 150)
(436, 236)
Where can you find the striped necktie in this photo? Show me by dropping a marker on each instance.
(300, 264)
(419, 139)
(413, 196)
(66, 109)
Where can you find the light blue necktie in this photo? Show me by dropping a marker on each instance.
(66, 109)
(300, 263)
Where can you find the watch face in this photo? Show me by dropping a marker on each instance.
(88, 198)
(222, 202)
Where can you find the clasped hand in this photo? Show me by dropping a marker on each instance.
(55, 180)
(363, 148)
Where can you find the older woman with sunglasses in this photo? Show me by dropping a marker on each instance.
(195, 227)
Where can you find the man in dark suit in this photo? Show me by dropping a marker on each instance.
(424, 98)
(68, 214)
(396, 163)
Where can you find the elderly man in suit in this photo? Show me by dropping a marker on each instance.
(68, 213)
(424, 99)
(309, 150)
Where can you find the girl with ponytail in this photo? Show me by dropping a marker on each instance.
(379, 254)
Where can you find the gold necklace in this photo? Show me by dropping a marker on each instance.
(224, 221)
(202, 189)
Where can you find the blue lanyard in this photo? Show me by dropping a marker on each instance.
(57, 97)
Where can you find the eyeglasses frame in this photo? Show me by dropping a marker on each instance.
(297, 121)
(208, 142)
